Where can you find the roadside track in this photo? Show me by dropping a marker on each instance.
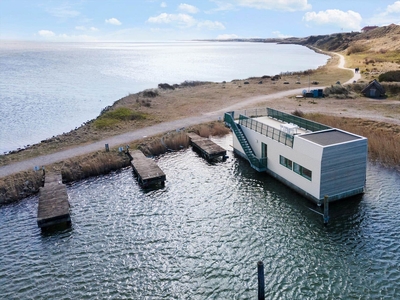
(129, 137)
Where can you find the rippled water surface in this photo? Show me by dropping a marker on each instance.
(200, 237)
(50, 88)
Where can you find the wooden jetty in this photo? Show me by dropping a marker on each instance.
(207, 148)
(53, 208)
(146, 170)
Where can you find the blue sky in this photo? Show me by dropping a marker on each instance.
(157, 20)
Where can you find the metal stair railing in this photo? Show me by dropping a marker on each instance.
(258, 164)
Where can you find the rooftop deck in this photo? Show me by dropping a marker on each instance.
(277, 124)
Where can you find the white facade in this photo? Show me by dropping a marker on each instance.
(311, 157)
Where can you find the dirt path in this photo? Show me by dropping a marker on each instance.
(356, 76)
(126, 138)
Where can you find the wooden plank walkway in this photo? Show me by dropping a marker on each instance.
(53, 205)
(147, 171)
(207, 148)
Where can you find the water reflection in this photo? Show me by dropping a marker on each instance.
(201, 236)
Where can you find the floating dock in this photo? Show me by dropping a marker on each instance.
(53, 208)
(146, 170)
(207, 148)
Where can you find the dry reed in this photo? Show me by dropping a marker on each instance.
(172, 141)
(94, 164)
(20, 185)
(211, 129)
(383, 138)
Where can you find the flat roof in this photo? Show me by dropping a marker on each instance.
(330, 137)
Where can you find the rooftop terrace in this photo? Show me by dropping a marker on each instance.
(278, 124)
(283, 127)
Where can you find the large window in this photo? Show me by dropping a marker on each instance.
(306, 173)
(285, 162)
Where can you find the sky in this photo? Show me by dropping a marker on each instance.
(162, 20)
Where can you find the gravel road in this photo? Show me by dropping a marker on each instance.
(126, 138)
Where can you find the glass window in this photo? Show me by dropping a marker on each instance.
(306, 173)
(285, 162)
(296, 168)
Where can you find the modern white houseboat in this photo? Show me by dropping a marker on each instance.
(313, 159)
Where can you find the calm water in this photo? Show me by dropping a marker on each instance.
(47, 89)
(201, 236)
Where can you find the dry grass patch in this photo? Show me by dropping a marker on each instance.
(383, 138)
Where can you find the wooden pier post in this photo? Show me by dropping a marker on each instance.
(326, 210)
(261, 281)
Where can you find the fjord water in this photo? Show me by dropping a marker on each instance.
(200, 237)
(50, 88)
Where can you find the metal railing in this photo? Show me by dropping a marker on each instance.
(264, 129)
(259, 164)
(302, 123)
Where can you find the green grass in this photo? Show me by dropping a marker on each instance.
(113, 117)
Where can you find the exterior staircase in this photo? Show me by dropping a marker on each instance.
(258, 164)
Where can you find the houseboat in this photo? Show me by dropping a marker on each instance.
(313, 159)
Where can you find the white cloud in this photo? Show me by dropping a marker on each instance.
(94, 29)
(113, 21)
(227, 36)
(393, 8)
(186, 21)
(349, 20)
(211, 25)
(190, 9)
(80, 27)
(163, 4)
(221, 6)
(285, 5)
(180, 19)
(280, 35)
(390, 15)
(46, 33)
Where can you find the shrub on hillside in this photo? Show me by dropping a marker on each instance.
(391, 76)
(189, 83)
(110, 117)
(392, 89)
(356, 87)
(150, 93)
(356, 48)
(337, 90)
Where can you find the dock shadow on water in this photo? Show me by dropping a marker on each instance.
(57, 230)
(201, 237)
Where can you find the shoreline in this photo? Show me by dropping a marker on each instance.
(39, 132)
(221, 97)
